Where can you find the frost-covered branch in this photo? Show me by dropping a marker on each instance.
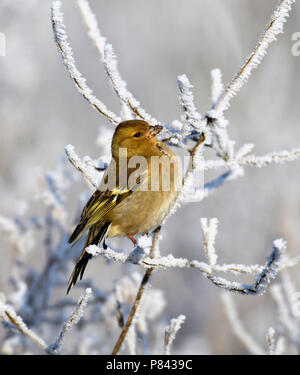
(92, 26)
(235, 167)
(276, 157)
(138, 299)
(193, 118)
(271, 341)
(61, 39)
(213, 185)
(209, 232)
(290, 324)
(217, 86)
(7, 313)
(274, 347)
(109, 60)
(223, 145)
(237, 326)
(171, 332)
(87, 167)
(273, 28)
(74, 319)
(258, 287)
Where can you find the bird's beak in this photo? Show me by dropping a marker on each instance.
(154, 130)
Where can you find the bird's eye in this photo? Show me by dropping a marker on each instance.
(136, 135)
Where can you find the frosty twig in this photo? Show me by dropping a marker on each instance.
(273, 28)
(7, 312)
(109, 60)
(65, 49)
(139, 296)
(171, 331)
(74, 319)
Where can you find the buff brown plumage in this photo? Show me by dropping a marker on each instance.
(137, 191)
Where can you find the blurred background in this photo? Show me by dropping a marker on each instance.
(155, 41)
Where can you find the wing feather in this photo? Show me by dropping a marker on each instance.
(100, 204)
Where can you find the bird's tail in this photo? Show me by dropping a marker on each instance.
(95, 236)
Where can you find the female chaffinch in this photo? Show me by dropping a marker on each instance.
(137, 200)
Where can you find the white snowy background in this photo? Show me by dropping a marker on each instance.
(41, 112)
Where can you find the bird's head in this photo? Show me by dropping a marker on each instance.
(137, 136)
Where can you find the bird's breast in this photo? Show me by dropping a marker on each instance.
(140, 213)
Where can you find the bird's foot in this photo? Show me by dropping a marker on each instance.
(134, 241)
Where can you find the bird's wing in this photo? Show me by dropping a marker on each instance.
(100, 203)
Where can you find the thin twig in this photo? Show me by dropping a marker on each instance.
(109, 60)
(61, 39)
(8, 312)
(274, 27)
(91, 174)
(138, 297)
(171, 331)
(237, 326)
(258, 287)
(74, 319)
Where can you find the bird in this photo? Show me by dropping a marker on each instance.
(132, 206)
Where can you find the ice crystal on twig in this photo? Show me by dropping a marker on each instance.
(273, 28)
(65, 49)
(74, 319)
(171, 332)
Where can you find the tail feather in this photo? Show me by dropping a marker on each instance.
(78, 231)
(95, 236)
